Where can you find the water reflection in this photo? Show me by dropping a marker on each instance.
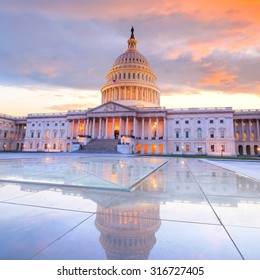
(125, 234)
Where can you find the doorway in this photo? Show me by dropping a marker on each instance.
(116, 134)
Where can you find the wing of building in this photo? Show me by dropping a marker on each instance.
(130, 120)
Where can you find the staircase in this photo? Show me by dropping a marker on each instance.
(100, 146)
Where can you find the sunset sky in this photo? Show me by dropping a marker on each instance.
(54, 55)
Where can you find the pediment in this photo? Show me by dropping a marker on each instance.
(111, 107)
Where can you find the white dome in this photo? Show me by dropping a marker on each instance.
(131, 58)
(131, 80)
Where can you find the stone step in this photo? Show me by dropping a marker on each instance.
(100, 146)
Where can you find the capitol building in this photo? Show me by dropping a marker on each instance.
(131, 120)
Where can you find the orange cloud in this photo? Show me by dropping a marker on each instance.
(220, 78)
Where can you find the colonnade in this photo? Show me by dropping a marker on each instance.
(130, 93)
(247, 134)
(146, 128)
(247, 130)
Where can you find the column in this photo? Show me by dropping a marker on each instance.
(142, 94)
(149, 129)
(164, 129)
(93, 128)
(99, 128)
(84, 127)
(157, 128)
(126, 130)
(125, 94)
(131, 92)
(106, 136)
(250, 130)
(242, 129)
(120, 128)
(257, 130)
(87, 127)
(78, 127)
(113, 128)
(142, 129)
(134, 127)
(120, 93)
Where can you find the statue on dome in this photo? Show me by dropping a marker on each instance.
(132, 32)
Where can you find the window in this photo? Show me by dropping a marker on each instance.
(129, 75)
(221, 121)
(39, 124)
(199, 133)
(32, 134)
(222, 134)
(212, 148)
(62, 134)
(54, 146)
(63, 124)
(56, 124)
(124, 76)
(38, 134)
(37, 146)
(186, 122)
(177, 122)
(55, 134)
(177, 148)
(199, 122)
(187, 134)
(187, 148)
(48, 124)
(222, 148)
(177, 134)
(33, 124)
(5, 135)
(211, 121)
(31, 146)
(212, 135)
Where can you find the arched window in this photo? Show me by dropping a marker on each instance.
(199, 133)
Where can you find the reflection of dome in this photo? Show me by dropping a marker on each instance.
(125, 233)
(131, 81)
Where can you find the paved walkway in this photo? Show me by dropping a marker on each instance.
(176, 209)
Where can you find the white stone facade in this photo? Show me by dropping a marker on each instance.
(130, 112)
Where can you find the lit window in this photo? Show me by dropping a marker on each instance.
(212, 148)
(222, 148)
(187, 148)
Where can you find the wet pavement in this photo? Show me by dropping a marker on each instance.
(111, 207)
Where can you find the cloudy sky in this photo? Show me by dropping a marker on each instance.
(54, 55)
